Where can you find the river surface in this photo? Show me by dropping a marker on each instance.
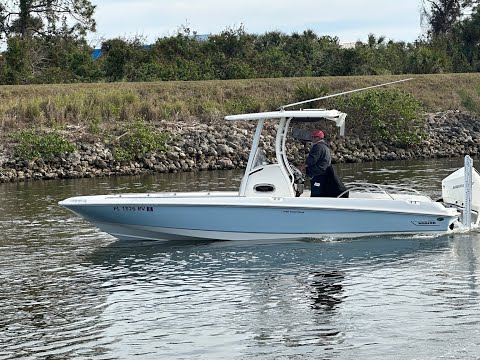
(69, 291)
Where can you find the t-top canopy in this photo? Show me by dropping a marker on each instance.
(296, 115)
(313, 113)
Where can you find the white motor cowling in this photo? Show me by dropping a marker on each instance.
(453, 190)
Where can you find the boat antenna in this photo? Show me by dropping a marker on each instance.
(343, 93)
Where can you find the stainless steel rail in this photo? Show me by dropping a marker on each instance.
(377, 188)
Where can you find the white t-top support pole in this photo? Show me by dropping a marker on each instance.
(251, 158)
(467, 208)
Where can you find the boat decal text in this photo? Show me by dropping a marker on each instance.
(425, 222)
(133, 208)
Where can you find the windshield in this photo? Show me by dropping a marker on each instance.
(260, 158)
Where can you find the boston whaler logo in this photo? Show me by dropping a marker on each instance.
(425, 223)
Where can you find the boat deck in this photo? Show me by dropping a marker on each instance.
(213, 194)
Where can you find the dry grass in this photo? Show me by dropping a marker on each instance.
(96, 107)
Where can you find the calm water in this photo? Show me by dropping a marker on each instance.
(70, 291)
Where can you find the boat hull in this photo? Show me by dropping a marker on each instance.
(237, 218)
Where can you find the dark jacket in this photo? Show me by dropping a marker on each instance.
(319, 159)
(333, 185)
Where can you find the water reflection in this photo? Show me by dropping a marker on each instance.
(326, 290)
(330, 252)
(456, 283)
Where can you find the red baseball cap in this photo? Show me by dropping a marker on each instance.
(317, 133)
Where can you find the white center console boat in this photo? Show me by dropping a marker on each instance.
(271, 204)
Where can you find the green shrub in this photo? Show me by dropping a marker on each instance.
(384, 115)
(139, 139)
(32, 145)
(309, 91)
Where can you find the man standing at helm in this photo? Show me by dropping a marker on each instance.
(318, 160)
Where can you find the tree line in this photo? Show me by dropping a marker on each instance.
(46, 43)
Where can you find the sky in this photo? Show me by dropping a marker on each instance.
(349, 20)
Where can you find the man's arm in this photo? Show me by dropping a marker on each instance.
(313, 156)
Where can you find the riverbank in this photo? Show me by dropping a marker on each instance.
(226, 146)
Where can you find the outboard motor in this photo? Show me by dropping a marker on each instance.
(453, 192)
